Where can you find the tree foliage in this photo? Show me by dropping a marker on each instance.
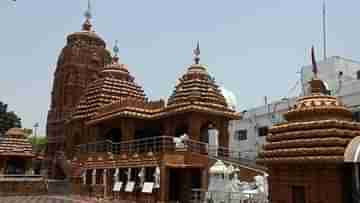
(38, 143)
(8, 119)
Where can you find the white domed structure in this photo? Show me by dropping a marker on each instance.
(229, 97)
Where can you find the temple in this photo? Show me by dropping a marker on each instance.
(108, 138)
(16, 153)
(16, 165)
(308, 155)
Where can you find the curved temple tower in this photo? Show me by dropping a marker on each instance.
(79, 63)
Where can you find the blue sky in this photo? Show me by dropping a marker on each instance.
(253, 48)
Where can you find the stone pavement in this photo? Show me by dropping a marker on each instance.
(42, 199)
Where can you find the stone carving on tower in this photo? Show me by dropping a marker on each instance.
(83, 56)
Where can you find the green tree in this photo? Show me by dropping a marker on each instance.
(8, 119)
(38, 143)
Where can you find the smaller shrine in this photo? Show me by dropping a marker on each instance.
(16, 166)
(15, 153)
(305, 154)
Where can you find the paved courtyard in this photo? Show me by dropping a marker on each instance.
(42, 199)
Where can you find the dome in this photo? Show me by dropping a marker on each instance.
(229, 97)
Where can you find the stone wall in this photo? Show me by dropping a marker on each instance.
(318, 184)
(22, 187)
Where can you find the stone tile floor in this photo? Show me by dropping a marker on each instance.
(46, 199)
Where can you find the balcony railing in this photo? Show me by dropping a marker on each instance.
(20, 177)
(167, 144)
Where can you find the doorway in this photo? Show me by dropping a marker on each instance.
(182, 182)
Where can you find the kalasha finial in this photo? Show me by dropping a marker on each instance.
(116, 51)
(116, 48)
(315, 68)
(196, 53)
(88, 15)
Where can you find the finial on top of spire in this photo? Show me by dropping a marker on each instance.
(116, 48)
(196, 53)
(87, 13)
(116, 51)
(313, 60)
(87, 25)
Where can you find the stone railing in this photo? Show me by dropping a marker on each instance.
(170, 144)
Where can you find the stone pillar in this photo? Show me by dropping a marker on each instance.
(223, 134)
(28, 166)
(105, 182)
(164, 184)
(84, 177)
(127, 130)
(194, 124)
(116, 175)
(204, 178)
(93, 181)
(356, 176)
(2, 166)
(169, 128)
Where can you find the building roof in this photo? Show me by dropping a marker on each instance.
(14, 143)
(197, 85)
(114, 84)
(317, 130)
(198, 88)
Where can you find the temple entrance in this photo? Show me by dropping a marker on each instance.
(15, 166)
(298, 194)
(182, 182)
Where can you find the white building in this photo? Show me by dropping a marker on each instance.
(343, 78)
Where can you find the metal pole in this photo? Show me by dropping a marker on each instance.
(324, 29)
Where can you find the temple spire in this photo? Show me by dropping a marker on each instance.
(196, 53)
(87, 25)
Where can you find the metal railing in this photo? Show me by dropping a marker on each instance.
(168, 144)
